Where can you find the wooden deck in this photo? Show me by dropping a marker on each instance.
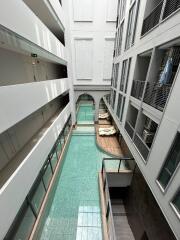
(109, 144)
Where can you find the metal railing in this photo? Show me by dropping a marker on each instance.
(141, 145)
(152, 19)
(109, 214)
(156, 95)
(129, 129)
(171, 6)
(137, 89)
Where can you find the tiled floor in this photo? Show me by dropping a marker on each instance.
(109, 143)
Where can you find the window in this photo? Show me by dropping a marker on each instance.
(115, 74)
(176, 202)
(171, 163)
(122, 8)
(113, 98)
(119, 39)
(23, 224)
(171, 6)
(119, 105)
(37, 194)
(125, 75)
(53, 159)
(130, 27)
(122, 109)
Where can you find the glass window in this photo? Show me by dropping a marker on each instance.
(59, 147)
(115, 74)
(123, 75)
(127, 75)
(122, 110)
(113, 99)
(119, 105)
(53, 158)
(62, 140)
(37, 195)
(176, 201)
(130, 27)
(47, 174)
(171, 163)
(23, 224)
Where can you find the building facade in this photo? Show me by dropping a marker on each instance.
(144, 95)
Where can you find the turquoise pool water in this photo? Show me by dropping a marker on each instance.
(85, 114)
(75, 211)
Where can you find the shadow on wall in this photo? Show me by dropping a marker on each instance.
(145, 217)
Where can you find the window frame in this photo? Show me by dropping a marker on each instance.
(175, 209)
(164, 189)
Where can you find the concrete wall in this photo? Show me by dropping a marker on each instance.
(91, 40)
(19, 101)
(26, 24)
(143, 212)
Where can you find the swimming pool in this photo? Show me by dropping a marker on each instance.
(85, 114)
(75, 211)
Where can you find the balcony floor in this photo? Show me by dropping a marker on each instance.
(109, 144)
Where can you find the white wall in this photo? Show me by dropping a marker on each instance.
(19, 101)
(17, 17)
(14, 191)
(91, 24)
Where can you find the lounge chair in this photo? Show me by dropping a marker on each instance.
(106, 129)
(107, 133)
(103, 115)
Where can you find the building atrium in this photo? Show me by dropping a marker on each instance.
(89, 120)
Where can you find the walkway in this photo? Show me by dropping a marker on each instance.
(109, 144)
(122, 228)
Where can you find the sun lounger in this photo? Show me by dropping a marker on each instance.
(106, 129)
(103, 115)
(107, 133)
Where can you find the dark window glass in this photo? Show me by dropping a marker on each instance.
(171, 163)
(37, 196)
(47, 174)
(119, 105)
(23, 224)
(176, 201)
(53, 158)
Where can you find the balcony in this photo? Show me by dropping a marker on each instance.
(24, 24)
(152, 19)
(171, 6)
(137, 89)
(157, 95)
(16, 110)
